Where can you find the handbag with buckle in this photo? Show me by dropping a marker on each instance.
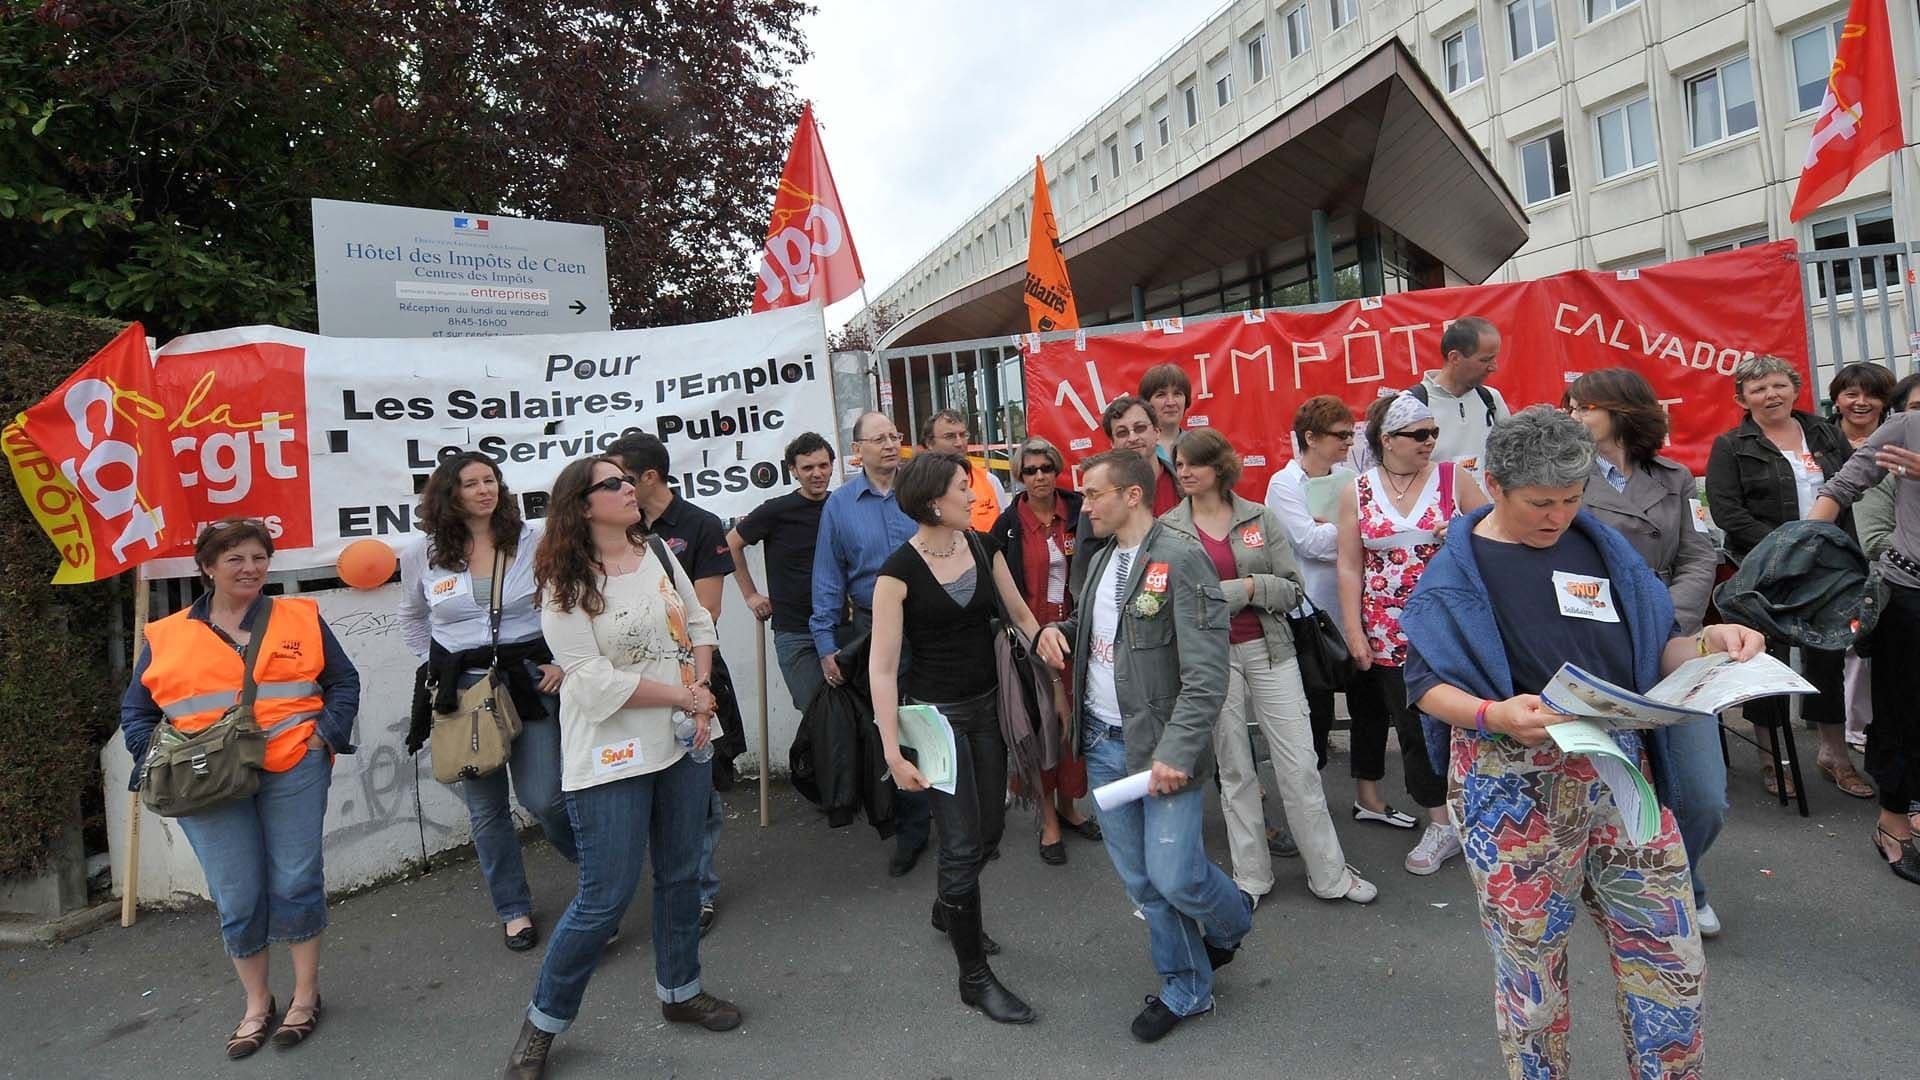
(475, 739)
(1326, 665)
(187, 773)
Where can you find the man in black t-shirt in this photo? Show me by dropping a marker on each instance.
(790, 526)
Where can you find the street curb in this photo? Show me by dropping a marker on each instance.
(64, 928)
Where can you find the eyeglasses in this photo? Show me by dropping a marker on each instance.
(611, 484)
(1425, 434)
(1035, 470)
(1344, 434)
(1090, 494)
(883, 440)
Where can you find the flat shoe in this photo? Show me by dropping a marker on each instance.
(1846, 778)
(1389, 817)
(1054, 854)
(291, 1035)
(239, 1046)
(524, 940)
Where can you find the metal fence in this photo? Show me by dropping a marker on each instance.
(1859, 307)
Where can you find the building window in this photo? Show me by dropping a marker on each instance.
(1257, 56)
(1543, 168)
(1299, 31)
(1626, 138)
(1137, 139)
(1220, 74)
(1091, 169)
(1460, 54)
(1813, 62)
(1190, 97)
(1113, 158)
(1738, 242)
(1342, 12)
(1529, 26)
(1600, 9)
(1064, 184)
(1162, 127)
(1873, 225)
(1720, 103)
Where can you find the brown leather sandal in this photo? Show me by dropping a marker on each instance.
(243, 1045)
(1846, 778)
(291, 1034)
(1772, 781)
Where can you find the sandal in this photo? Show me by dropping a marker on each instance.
(1846, 778)
(291, 1034)
(1908, 864)
(1771, 781)
(243, 1045)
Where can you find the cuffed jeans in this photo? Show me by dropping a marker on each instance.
(1278, 703)
(261, 856)
(1697, 790)
(974, 817)
(534, 765)
(799, 665)
(1158, 851)
(613, 824)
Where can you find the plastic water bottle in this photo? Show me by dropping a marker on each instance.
(684, 729)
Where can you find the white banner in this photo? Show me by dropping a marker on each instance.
(329, 440)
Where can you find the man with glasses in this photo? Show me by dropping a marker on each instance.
(1148, 644)
(1128, 422)
(946, 431)
(860, 526)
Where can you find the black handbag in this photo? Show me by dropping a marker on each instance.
(1326, 666)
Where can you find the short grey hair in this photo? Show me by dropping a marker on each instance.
(1039, 447)
(1761, 366)
(1539, 447)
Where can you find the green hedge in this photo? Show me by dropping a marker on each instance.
(57, 698)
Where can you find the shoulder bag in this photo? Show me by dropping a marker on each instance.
(1320, 648)
(475, 739)
(186, 774)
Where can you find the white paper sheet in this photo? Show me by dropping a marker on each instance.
(1122, 791)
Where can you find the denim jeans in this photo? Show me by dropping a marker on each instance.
(613, 825)
(1157, 849)
(261, 856)
(1697, 792)
(534, 765)
(799, 665)
(974, 817)
(710, 843)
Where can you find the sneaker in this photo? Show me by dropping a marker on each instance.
(1359, 889)
(1156, 1020)
(707, 915)
(703, 1009)
(1438, 844)
(1709, 922)
(1387, 816)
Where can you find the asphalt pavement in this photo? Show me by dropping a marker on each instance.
(1816, 978)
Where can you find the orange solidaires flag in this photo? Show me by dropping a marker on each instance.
(1049, 293)
(809, 250)
(1859, 120)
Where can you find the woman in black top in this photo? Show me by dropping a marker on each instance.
(932, 592)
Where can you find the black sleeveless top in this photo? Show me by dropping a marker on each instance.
(952, 646)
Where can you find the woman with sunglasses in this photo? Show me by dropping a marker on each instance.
(473, 533)
(1035, 533)
(1391, 522)
(635, 644)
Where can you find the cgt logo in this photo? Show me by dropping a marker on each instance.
(239, 433)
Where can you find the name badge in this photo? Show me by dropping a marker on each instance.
(1701, 523)
(615, 757)
(1583, 597)
(450, 587)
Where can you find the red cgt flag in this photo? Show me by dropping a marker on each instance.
(1859, 120)
(94, 462)
(809, 252)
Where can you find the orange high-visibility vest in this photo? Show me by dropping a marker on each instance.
(986, 501)
(194, 676)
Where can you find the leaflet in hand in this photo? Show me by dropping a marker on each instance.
(1323, 492)
(1122, 791)
(927, 732)
(1639, 807)
(1700, 687)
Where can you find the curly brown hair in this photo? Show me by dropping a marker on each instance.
(448, 538)
(566, 568)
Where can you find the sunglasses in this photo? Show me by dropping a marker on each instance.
(1344, 435)
(1425, 434)
(1035, 470)
(611, 484)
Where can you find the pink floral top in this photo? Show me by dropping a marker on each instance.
(1395, 553)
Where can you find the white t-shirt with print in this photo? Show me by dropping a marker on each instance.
(1102, 699)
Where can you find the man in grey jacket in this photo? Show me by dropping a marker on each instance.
(1148, 644)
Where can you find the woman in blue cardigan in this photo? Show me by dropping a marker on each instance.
(1539, 828)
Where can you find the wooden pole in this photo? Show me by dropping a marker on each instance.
(130, 887)
(766, 755)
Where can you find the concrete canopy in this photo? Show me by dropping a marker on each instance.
(1378, 138)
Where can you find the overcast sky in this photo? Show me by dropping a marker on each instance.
(928, 108)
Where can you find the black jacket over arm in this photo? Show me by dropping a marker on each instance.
(1750, 488)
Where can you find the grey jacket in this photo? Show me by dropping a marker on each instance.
(1262, 551)
(1656, 516)
(1169, 667)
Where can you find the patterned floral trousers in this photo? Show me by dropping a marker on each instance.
(1540, 828)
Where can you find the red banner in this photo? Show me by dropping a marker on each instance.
(1684, 325)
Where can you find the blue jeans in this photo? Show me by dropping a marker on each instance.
(534, 765)
(799, 665)
(262, 859)
(613, 825)
(709, 843)
(1697, 792)
(1157, 849)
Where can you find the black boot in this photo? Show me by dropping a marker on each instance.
(987, 944)
(529, 1058)
(978, 987)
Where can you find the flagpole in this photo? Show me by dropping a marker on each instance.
(1903, 226)
(130, 884)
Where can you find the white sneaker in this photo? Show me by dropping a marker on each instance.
(1438, 844)
(1708, 921)
(1359, 889)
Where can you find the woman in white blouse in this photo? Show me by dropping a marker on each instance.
(636, 647)
(473, 534)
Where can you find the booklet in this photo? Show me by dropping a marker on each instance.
(1323, 492)
(1639, 806)
(1700, 687)
(923, 728)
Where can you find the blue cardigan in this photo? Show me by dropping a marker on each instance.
(1450, 623)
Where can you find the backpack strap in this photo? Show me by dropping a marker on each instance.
(249, 688)
(1486, 398)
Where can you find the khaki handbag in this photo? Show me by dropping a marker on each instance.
(188, 773)
(475, 739)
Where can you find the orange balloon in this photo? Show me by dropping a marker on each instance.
(367, 564)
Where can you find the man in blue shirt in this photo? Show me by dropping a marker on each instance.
(860, 526)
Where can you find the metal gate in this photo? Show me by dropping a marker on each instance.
(1859, 307)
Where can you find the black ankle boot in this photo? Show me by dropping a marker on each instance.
(987, 944)
(978, 987)
(529, 1058)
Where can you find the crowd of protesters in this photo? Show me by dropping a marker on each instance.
(1438, 536)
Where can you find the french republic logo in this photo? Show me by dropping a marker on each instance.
(237, 424)
(470, 224)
